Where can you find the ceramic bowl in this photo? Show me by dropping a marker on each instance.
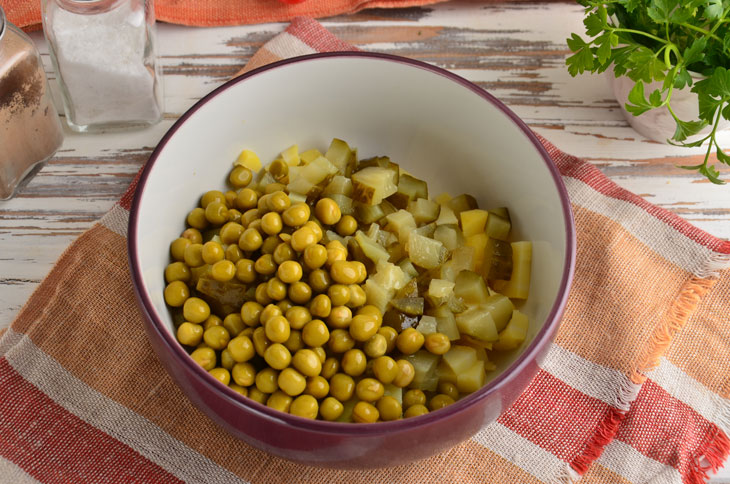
(437, 126)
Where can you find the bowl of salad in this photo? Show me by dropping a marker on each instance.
(351, 259)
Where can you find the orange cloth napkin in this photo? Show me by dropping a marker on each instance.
(27, 14)
(634, 389)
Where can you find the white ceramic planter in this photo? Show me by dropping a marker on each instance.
(658, 124)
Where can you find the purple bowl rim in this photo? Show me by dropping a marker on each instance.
(543, 337)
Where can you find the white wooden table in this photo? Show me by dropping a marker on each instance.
(515, 51)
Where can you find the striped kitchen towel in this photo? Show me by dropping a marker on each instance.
(635, 388)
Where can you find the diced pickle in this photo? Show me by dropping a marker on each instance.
(449, 235)
(498, 224)
(427, 325)
(477, 323)
(461, 203)
(423, 210)
(471, 288)
(425, 252)
(518, 287)
(409, 188)
(497, 260)
(500, 307)
(342, 156)
(514, 334)
(473, 221)
(471, 379)
(402, 224)
(409, 305)
(381, 162)
(425, 364)
(338, 185)
(374, 251)
(343, 201)
(367, 214)
(409, 290)
(398, 320)
(228, 296)
(460, 358)
(439, 291)
(446, 322)
(372, 184)
(446, 216)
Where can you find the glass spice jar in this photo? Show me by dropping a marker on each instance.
(104, 52)
(30, 131)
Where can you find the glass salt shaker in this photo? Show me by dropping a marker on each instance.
(104, 52)
(30, 130)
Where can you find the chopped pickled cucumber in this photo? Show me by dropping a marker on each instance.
(423, 210)
(427, 325)
(518, 286)
(342, 156)
(425, 252)
(471, 379)
(446, 216)
(291, 155)
(338, 185)
(367, 214)
(461, 203)
(477, 323)
(409, 188)
(398, 320)
(412, 306)
(439, 291)
(425, 364)
(374, 251)
(372, 184)
(402, 224)
(498, 224)
(514, 334)
(471, 288)
(473, 221)
(500, 307)
(497, 259)
(460, 358)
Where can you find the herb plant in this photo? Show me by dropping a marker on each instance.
(663, 40)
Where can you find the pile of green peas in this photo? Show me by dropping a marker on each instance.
(306, 342)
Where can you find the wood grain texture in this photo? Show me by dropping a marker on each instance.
(516, 51)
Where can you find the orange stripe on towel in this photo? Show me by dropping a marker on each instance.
(679, 312)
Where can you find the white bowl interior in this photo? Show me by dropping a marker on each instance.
(428, 123)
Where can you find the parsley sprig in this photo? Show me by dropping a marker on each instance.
(664, 40)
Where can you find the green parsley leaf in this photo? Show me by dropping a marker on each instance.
(603, 53)
(655, 98)
(682, 78)
(631, 5)
(685, 129)
(722, 157)
(637, 103)
(594, 25)
(713, 11)
(644, 66)
(660, 11)
(712, 174)
(707, 104)
(695, 52)
(719, 83)
(582, 60)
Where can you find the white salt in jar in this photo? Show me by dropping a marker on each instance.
(105, 55)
